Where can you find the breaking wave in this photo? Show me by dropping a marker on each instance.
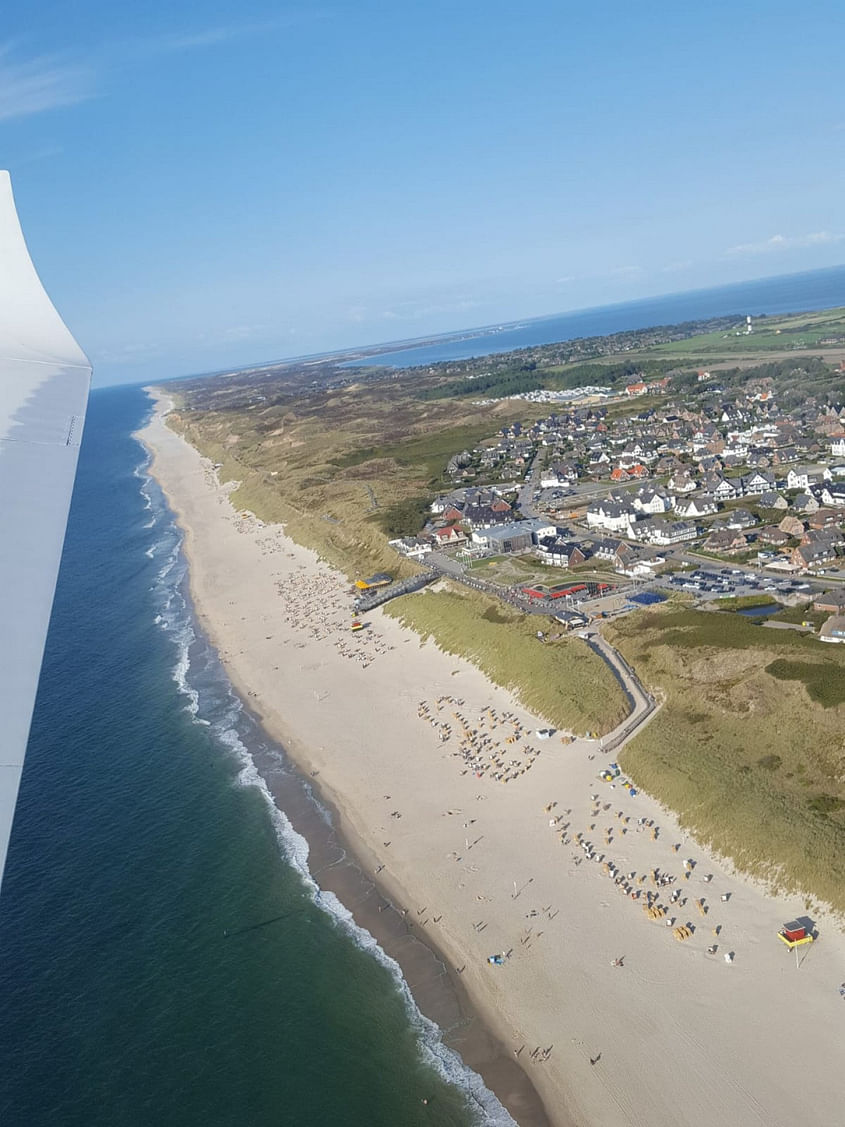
(211, 702)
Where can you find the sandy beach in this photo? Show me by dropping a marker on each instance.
(493, 841)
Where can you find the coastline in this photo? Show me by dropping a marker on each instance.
(548, 990)
(338, 862)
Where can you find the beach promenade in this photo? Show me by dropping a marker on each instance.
(637, 980)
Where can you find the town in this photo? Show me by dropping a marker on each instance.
(623, 493)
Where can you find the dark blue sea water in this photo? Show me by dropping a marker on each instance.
(136, 988)
(787, 293)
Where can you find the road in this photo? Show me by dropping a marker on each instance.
(643, 704)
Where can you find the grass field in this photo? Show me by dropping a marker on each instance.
(780, 334)
(748, 747)
(563, 681)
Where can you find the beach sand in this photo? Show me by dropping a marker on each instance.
(383, 724)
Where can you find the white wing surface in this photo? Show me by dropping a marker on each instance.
(44, 381)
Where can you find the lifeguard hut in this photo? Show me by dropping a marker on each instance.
(796, 934)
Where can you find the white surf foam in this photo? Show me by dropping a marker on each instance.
(438, 1055)
(175, 617)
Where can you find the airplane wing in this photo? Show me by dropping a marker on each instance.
(44, 381)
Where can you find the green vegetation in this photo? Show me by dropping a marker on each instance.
(427, 454)
(757, 770)
(799, 614)
(563, 681)
(822, 683)
(741, 602)
(405, 518)
(506, 571)
(801, 331)
(529, 376)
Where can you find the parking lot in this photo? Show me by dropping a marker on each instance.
(715, 583)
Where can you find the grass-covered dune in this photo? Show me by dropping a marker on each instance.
(563, 681)
(749, 748)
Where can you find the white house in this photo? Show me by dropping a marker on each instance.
(701, 506)
(681, 482)
(612, 516)
(652, 501)
(758, 482)
(802, 477)
(837, 446)
(670, 532)
(727, 489)
(834, 494)
(412, 547)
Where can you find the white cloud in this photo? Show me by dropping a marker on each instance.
(227, 33)
(44, 82)
(677, 267)
(785, 242)
(625, 272)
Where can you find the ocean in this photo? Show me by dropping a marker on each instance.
(172, 952)
(787, 293)
(166, 957)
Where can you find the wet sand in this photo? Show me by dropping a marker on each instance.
(436, 988)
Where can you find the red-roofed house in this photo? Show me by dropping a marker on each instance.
(450, 535)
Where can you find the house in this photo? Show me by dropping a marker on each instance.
(805, 503)
(726, 542)
(771, 534)
(701, 506)
(833, 602)
(792, 526)
(834, 629)
(652, 501)
(802, 477)
(638, 388)
(558, 552)
(833, 493)
(642, 564)
(669, 532)
(831, 535)
(623, 473)
(482, 516)
(809, 556)
(837, 445)
(615, 516)
(443, 537)
(740, 518)
(726, 488)
(612, 550)
(757, 482)
(413, 547)
(681, 483)
(824, 518)
(772, 500)
(559, 473)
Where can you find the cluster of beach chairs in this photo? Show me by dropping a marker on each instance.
(660, 893)
(482, 744)
(320, 609)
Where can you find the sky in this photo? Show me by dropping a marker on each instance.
(210, 185)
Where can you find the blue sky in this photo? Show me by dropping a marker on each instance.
(206, 185)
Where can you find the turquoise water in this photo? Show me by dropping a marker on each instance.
(143, 837)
